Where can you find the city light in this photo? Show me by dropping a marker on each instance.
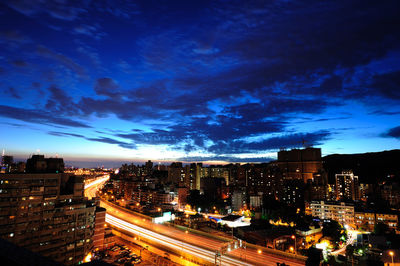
(88, 257)
(169, 242)
(391, 253)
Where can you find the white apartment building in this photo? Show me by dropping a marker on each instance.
(338, 211)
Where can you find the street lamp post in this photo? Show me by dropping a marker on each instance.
(391, 253)
(295, 244)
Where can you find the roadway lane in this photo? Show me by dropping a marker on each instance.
(91, 188)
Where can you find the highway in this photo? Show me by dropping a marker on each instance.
(183, 241)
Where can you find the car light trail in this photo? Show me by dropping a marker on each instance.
(170, 242)
(98, 181)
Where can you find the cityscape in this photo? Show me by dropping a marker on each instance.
(199, 133)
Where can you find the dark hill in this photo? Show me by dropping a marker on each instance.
(370, 167)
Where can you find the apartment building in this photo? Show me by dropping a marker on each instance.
(47, 213)
(338, 211)
(368, 219)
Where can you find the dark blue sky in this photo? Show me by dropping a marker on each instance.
(198, 80)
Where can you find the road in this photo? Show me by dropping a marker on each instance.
(352, 237)
(183, 241)
(91, 188)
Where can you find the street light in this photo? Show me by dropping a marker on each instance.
(391, 253)
(291, 249)
(259, 251)
(295, 244)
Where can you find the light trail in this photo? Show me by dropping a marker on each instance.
(97, 181)
(170, 242)
(195, 245)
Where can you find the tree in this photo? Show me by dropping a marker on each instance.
(334, 230)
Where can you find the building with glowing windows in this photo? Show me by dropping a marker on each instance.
(47, 213)
(338, 211)
(347, 186)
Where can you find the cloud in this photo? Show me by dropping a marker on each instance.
(106, 87)
(62, 59)
(60, 102)
(63, 10)
(65, 134)
(286, 141)
(393, 133)
(90, 30)
(388, 84)
(13, 93)
(19, 63)
(38, 117)
(113, 141)
(95, 139)
(13, 36)
(230, 159)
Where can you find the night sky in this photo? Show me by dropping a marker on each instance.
(198, 80)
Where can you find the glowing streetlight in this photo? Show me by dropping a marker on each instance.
(88, 257)
(259, 251)
(391, 253)
(291, 249)
(295, 244)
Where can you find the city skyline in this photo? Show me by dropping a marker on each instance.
(199, 80)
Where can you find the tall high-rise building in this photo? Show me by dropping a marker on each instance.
(6, 163)
(300, 163)
(176, 173)
(239, 199)
(347, 186)
(47, 213)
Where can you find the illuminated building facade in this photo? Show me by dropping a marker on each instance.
(347, 186)
(99, 228)
(338, 211)
(368, 219)
(47, 213)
